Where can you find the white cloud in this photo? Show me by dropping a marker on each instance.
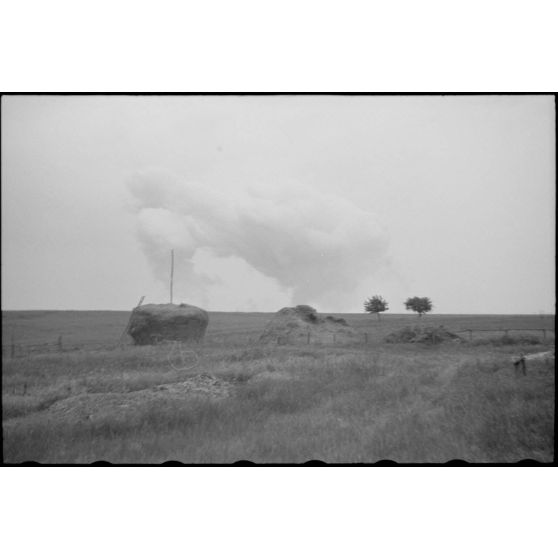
(317, 246)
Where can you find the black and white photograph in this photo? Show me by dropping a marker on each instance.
(278, 279)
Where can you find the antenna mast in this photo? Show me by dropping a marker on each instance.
(171, 274)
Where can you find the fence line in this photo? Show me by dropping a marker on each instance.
(506, 330)
(24, 349)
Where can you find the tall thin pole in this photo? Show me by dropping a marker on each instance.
(172, 274)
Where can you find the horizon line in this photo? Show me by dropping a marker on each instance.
(409, 313)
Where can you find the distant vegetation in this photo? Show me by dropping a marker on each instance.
(376, 305)
(418, 304)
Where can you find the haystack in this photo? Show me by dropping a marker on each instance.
(429, 335)
(302, 324)
(152, 323)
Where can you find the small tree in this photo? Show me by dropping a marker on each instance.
(419, 304)
(375, 305)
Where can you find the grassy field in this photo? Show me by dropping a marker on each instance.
(231, 398)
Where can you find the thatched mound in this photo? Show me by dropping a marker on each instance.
(429, 335)
(404, 335)
(302, 324)
(153, 323)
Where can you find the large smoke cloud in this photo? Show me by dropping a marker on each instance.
(321, 246)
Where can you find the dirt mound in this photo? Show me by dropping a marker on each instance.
(302, 324)
(428, 335)
(405, 335)
(153, 323)
(122, 406)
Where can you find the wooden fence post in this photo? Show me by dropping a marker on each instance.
(334, 337)
(544, 334)
(470, 334)
(12, 348)
(308, 339)
(366, 337)
(506, 332)
(60, 343)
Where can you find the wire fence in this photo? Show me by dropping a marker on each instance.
(223, 339)
(15, 350)
(544, 332)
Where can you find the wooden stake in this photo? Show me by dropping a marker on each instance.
(171, 274)
(12, 349)
(130, 319)
(60, 343)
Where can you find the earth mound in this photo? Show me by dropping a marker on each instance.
(428, 335)
(125, 406)
(152, 323)
(302, 324)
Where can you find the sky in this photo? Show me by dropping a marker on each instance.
(271, 201)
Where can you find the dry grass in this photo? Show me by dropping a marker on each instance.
(288, 404)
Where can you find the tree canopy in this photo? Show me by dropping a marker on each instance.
(375, 305)
(418, 304)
